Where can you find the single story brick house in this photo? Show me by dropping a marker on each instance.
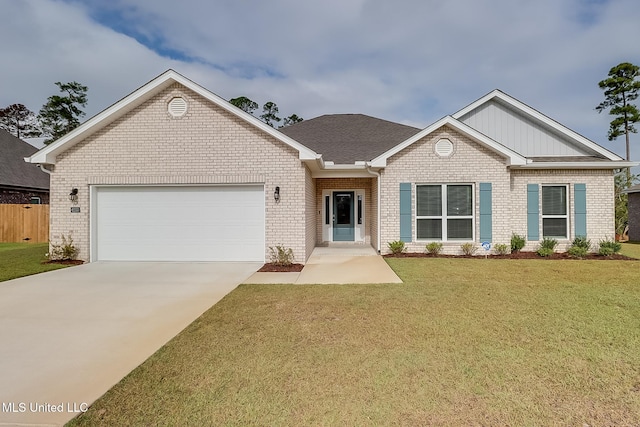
(174, 172)
(20, 183)
(633, 205)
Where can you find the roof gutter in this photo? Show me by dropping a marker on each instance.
(577, 165)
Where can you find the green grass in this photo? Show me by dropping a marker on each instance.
(23, 259)
(631, 249)
(461, 342)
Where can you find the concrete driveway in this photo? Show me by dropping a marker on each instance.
(67, 336)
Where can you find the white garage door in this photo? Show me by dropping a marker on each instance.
(179, 223)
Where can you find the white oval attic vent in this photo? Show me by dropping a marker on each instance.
(177, 107)
(444, 148)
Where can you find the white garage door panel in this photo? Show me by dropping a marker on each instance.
(180, 223)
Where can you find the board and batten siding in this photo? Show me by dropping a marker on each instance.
(519, 133)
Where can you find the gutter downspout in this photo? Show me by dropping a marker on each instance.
(43, 169)
(377, 175)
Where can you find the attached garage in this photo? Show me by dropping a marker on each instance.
(178, 223)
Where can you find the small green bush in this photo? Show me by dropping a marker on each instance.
(63, 251)
(396, 247)
(579, 247)
(547, 247)
(501, 249)
(281, 255)
(517, 243)
(609, 247)
(434, 248)
(581, 242)
(577, 252)
(469, 248)
(545, 252)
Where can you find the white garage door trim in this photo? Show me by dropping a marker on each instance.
(177, 222)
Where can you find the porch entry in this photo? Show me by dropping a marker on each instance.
(343, 216)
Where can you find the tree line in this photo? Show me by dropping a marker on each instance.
(57, 117)
(269, 112)
(62, 113)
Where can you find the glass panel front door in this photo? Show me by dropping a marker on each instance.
(343, 224)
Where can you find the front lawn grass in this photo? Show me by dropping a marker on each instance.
(631, 249)
(23, 259)
(461, 342)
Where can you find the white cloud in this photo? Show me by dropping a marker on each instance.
(411, 61)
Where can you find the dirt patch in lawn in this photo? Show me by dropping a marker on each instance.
(517, 255)
(275, 268)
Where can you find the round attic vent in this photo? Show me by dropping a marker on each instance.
(444, 148)
(177, 107)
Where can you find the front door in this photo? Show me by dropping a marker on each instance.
(343, 224)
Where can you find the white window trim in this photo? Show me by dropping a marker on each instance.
(444, 216)
(566, 216)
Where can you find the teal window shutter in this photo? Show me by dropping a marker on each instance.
(405, 212)
(486, 229)
(580, 206)
(533, 212)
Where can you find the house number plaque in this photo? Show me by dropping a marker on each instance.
(75, 209)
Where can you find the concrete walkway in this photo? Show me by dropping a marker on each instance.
(67, 336)
(340, 263)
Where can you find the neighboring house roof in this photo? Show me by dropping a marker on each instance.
(349, 138)
(48, 154)
(14, 172)
(634, 189)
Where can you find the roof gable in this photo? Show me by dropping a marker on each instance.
(48, 154)
(526, 130)
(14, 172)
(511, 157)
(349, 138)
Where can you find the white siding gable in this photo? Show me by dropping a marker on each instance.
(520, 133)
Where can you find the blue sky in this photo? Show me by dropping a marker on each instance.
(410, 61)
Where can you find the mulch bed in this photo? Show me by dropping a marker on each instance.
(65, 262)
(274, 268)
(517, 255)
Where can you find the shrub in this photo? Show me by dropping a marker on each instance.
(545, 252)
(581, 242)
(547, 247)
(469, 248)
(501, 249)
(577, 251)
(63, 251)
(396, 247)
(281, 255)
(609, 247)
(579, 247)
(434, 248)
(517, 242)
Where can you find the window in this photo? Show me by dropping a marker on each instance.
(555, 218)
(35, 200)
(444, 212)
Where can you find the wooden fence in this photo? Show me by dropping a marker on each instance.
(24, 223)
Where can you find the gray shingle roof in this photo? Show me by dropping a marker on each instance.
(14, 171)
(347, 138)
